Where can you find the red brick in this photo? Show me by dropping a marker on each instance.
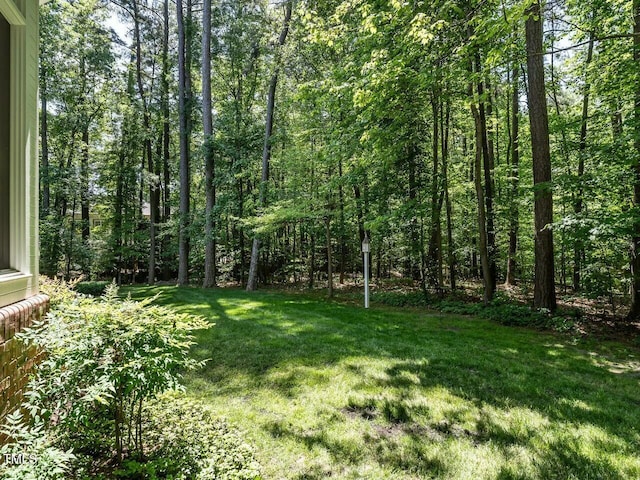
(16, 362)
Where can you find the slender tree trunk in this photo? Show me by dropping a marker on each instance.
(329, 257)
(451, 255)
(544, 287)
(166, 142)
(578, 249)
(72, 231)
(84, 181)
(481, 152)
(64, 200)
(183, 107)
(312, 260)
(146, 121)
(414, 263)
(490, 187)
(488, 165)
(635, 244)
(435, 244)
(482, 216)
(252, 281)
(210, 188)
(564, 148)
(473, 258)
(44, 136)
(118, 216)
(84, 166)
(514, 214)
(357, 195)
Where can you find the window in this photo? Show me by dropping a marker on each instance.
(18, 150)
(5, 110)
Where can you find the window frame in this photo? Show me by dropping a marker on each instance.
(5, 168)
(20, 280)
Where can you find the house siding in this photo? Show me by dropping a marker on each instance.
(24, 195)
(33, 50)
(20, 303)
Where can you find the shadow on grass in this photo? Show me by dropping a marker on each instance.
(412, 458)
(281, 343)
(563, 461)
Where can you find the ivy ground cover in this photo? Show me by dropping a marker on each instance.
(330, 390)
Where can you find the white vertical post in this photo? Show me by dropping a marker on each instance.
(366, 248)
(366, 280)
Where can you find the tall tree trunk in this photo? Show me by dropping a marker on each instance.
(451, 255)
(210, 188)
(635, 244)
(565, 149)
(474, 267)
(435, 236)
(514, 214)
(146, 121)
(166, 143)
(488, 165)
(490, 188)
(312, 259)
(72, 232)
(544, 295)
(44, 136)
(414, 263)
(63, 194)
(184, 113)
(578, 249)
(481, 152)
(84, 182)
(252, 280)
(84, 164)
(118, 216)
(482, 216)
(357, 195)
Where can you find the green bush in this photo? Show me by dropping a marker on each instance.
(98, 403)
(501, 310)
(105, 358)
(95, 289)
(401, 299)
(58, 291)
(193, 444)
(33, 449)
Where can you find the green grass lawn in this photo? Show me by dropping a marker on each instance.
(327, 390)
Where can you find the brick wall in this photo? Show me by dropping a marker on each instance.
(16, 362)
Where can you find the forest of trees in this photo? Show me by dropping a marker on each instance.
(256, 141)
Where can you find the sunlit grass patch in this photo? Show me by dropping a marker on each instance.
(326, 390)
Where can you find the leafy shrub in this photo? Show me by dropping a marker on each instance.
(58, 291)
(501, 310)
(192, 443)
(100, 391)
(105, 359)
(401, 299)
(95, 289)
(36, 456)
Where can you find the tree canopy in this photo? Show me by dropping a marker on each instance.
(472, 140)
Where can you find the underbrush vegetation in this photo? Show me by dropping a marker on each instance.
(97, 406)
(502, 309)
(93, 288)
